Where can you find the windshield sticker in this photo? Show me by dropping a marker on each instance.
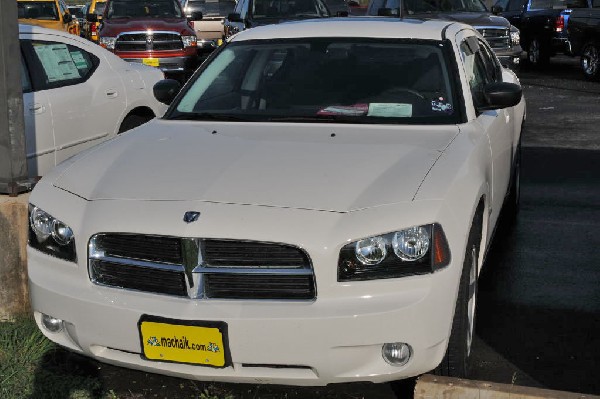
(348, 110)
(390, 110)
(79, 60)
(441, 106)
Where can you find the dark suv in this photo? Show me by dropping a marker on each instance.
(251, 13)
(500, 34)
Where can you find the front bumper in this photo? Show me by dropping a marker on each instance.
(510, 58)
(169, 64)
(336, 338)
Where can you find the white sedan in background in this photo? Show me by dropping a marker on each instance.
(314, 208)
(76, 95)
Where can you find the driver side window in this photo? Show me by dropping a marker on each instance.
(475, 69)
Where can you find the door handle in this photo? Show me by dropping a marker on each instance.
(37, 108)
(112, 93)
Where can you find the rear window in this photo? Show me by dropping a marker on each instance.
(340, 80)
(544, 4)
(100, 8)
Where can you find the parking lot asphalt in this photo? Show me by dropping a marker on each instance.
(539, 294)
(538, 318)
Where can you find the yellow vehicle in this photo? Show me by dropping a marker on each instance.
(90, 28)
(52, 14)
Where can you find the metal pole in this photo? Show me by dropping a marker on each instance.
(13, 161)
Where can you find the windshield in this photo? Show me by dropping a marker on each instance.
(426, 6)
(99, 10)
(76, 12)
(45, 10)
(288, 9)
(209, 8)
(335, 80)
(144, 8)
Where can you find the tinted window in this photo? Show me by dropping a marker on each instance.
(144, 8)
(282, 9)
(99, 9)
(477, 74)
(543, 4)
(25, 80)
(45, 10)
(211, 8)
(366, 81)
(515, 5)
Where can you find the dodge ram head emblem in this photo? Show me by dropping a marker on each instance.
(191, 216)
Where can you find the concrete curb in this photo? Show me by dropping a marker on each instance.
(434, 387)
(14, 293)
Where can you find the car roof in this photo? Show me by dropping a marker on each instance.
(366, 27)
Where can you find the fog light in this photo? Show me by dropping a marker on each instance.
(51, 324)
(396, 353)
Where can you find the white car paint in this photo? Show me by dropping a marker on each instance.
(60, 122)
(292, 183)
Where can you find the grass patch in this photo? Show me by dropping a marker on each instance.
(30, 367)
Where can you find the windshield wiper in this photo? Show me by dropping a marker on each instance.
(207, 116)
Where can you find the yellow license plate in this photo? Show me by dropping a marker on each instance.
(150, 61)
(183, 342)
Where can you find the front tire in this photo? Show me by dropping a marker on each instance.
(590, 59)
(537, 52)
(456, 362)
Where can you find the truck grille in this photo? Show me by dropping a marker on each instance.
(142, 41)
(497, 38)
(201, 268)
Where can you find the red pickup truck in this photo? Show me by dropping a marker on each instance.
(151, 32)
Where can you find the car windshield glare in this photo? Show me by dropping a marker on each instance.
(144, 8)
(45, 10)
(340, 80)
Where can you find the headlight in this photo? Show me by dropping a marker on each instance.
(515, 37)
(49, 235)
(108, 42)
(189, 41)
(415, 250)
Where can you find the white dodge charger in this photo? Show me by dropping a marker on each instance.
(314, 207)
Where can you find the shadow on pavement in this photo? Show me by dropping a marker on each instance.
(539, 294)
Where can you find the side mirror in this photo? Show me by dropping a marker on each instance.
(91, 17)
(497, 9)
(67, 18)
(166, 90)
(234, 18)
(195, 16)
(500, 95)
(341, 14)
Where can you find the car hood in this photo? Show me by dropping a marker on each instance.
(476, 19)
(329, 167)
(114, 26)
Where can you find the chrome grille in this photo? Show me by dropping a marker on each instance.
(201, 268)
(144, 41)
(497, 38)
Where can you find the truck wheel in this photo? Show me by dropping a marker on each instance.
(589, 61)
(456, 360)
(537, 53)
